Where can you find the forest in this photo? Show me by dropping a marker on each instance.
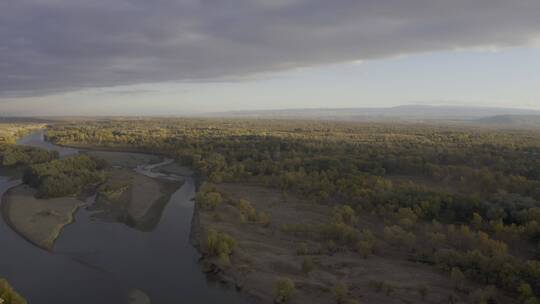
(65, 177)
(464, 200)
(12, 155)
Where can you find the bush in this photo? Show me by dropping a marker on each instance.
(247, 210)
(395, 235)
(307, 265)
(423, 291)
(224, 260)
(302, 249)
(345, 214)
(340, 233)
(458, 278)
(219, 244)
(9, 295)
(283, 290)
(208, 200)
(365, 248)
(381, 286)
(485, 295)
(264, 219)
(340, 293)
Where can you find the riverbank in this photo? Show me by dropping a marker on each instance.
(40, 221)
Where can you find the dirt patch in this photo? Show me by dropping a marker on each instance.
(265, 253)
(38, 220)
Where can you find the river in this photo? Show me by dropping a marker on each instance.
(102, 262)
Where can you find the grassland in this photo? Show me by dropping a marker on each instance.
(39, 220)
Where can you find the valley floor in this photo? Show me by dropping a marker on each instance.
(266, 253)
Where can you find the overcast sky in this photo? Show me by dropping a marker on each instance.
(182, 56)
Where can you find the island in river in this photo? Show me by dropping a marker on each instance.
(40, 221)
(126, 196)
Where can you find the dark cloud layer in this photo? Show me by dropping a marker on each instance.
(60, 45)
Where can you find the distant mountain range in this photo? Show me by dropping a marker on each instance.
(480, 116)
(10, 119)
(511, 120)
(408, 113)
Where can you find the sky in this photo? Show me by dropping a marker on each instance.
(177, 57)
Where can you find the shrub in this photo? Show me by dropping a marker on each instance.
(219, 244)
(283, 290)
(397, 236)
(345, 214)
(340, 233)
(224, 260)
(485, 295)
(340, 293)
(247, 210)
(264, 219)
(458, 278)
(365, 248)
(9, 295)
(423, 291)
(208, 200)
(302, 249)
(307, 265)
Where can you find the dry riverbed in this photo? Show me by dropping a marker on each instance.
(39, 220)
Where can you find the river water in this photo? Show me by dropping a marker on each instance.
(102, 262)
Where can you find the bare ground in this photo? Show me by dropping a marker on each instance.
(265, 254)
(38, 220)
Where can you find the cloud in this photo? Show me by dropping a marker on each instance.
(51, 46)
